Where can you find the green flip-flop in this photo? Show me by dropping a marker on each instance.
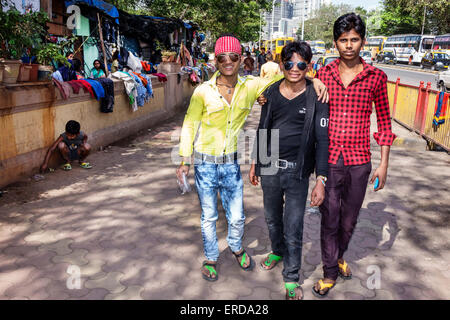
(85, 165)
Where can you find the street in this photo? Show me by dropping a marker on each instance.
(408, 74)
(123, 231)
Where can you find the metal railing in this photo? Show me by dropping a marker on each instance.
(415, 107)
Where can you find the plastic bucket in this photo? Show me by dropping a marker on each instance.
(2, 68)
(24, 73)
(45, 73)
(11, 72)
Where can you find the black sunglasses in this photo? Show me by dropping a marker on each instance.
(233, 57)
(288, 65)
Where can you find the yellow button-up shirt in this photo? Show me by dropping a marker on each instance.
(217, 122)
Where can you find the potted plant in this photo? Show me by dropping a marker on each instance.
(168, 56)
(19, 33)
(45, 56)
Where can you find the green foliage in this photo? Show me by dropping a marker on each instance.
(240, 17)
(55, 52)
(21, 33)
(406, 16)
(321, 26)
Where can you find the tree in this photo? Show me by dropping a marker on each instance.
(240, 17)
(406, 16)
(321, 25)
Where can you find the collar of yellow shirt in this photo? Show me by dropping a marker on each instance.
(218, 122)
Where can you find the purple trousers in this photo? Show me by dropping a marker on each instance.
(344, 196)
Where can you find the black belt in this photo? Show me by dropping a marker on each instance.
(284, 164)
(226, 158)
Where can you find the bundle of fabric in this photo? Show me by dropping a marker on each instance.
(130, 87)
(161, 76)
(134, 63)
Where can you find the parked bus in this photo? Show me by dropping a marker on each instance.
(317, 46)
(276, 45)
(409, 48)
(375, 44)
(442, 43)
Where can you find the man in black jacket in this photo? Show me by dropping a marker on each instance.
(292, 140)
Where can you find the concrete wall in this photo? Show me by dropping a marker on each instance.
(33, 116)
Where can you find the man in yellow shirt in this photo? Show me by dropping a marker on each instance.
(216, 114)
(270, 69)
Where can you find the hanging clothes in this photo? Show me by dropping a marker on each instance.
(76, 86)
(148, 86)
(130, 87)
(97, 87)
(87, 87)
(141, 91)
(107, 103)
(64, 88)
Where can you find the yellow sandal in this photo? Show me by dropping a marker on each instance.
(343, 268)
(322, 285)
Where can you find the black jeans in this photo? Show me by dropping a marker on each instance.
(286, 192)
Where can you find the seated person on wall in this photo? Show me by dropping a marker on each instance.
(115, 62)
(97, 71)
(72, 144)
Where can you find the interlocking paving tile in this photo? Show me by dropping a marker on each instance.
(34, 290)
(77, 257)
(43, 236)
(130, 293)
(110, 282)
(61, 247)
(4, 285)
(94, 294)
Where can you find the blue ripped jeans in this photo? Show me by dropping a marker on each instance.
(211, 178)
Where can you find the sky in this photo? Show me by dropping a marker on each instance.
(366, 4)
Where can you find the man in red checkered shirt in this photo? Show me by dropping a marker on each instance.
(353, 88)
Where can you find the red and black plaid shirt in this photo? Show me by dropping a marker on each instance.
(350, 109)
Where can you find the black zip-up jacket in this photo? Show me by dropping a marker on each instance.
(313, 151)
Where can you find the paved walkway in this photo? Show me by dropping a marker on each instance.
(124, 227)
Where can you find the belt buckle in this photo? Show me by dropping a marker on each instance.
(219, 159)
(285, 164)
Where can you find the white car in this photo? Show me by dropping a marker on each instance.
(443, 80)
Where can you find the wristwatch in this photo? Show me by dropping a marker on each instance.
(323, 179)
(185, 164)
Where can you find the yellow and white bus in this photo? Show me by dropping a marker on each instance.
(375, 44)
(276, 46)
(317, 46)
(409, 48)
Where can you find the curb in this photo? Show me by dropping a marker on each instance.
(406, 68)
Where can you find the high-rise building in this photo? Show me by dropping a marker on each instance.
(287, 16)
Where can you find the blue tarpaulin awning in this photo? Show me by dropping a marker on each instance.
(107, 8)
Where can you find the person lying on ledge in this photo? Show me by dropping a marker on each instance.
(72, 144)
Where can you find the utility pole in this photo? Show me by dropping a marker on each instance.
(260, 27)
(303, 20)
(423, 21)
(271, 32)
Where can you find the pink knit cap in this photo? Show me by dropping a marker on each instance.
(227, 44)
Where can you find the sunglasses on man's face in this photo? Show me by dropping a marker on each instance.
(288, 65)
(233, 57)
